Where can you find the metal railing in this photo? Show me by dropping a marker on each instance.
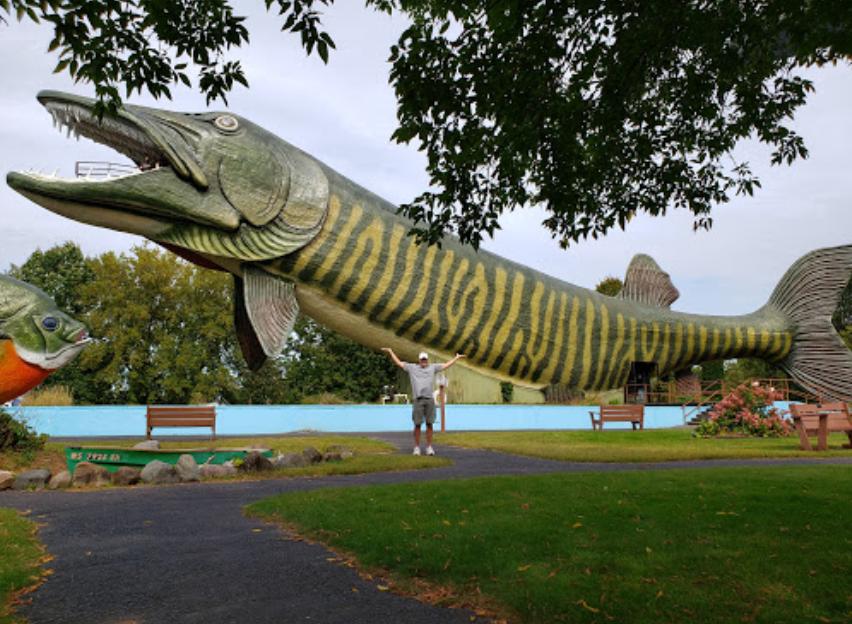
(91, 169)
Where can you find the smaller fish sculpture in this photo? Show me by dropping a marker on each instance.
(36, 338)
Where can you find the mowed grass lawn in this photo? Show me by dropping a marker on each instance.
(370, 455)
(20, 555)
(762, 544)
(637, 446)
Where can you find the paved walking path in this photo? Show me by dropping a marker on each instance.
(185, 553)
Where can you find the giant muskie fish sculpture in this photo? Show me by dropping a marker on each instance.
(36, 338)
(226, 194)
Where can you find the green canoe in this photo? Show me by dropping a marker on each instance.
(113, 457)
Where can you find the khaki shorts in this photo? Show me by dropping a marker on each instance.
(423, 409)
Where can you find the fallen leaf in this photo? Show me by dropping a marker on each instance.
(576, 525)
(524, 568)
(587, 607)
(355, 590)
(257, 530)
(382, 587)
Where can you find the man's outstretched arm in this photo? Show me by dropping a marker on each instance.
(393, 357)
(453, 361)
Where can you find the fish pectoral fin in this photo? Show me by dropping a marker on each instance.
(265, 311)
(645, 282)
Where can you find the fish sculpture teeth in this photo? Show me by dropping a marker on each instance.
(297, 236)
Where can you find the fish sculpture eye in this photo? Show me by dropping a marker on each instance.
(228, 123)
(50, 323)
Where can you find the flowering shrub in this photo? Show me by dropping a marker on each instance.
(746, 411)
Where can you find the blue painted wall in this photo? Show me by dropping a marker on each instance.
(270, 419)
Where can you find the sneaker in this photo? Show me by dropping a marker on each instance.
(416, 450)
(430, 450)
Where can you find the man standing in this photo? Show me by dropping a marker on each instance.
(422, 377)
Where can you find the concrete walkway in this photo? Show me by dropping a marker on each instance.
(186, 553)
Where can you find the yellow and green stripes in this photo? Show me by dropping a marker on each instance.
(505, 317)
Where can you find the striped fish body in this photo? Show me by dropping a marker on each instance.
(364, 277)
(227, 194)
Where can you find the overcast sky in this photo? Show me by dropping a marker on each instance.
(344, 114)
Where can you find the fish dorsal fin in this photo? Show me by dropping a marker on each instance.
(645, 282)
(265, 311)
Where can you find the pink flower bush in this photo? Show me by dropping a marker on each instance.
(748, 410)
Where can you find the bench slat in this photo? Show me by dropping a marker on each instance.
(180, 416)
(634, 414)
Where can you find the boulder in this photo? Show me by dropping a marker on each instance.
(344, 452)
(126, 475)
(289, 460)
(312, 455)
(32, 479)
(330, 456)
(86, 473)
(230, 469)
(213, 471)
(187, 468)
(7, 479)
(148, 445)
(255, 462)
(60, 481)
(158, 472)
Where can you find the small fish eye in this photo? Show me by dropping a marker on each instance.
(49, 323)
(226, 122)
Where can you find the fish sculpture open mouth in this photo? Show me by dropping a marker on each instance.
(212, 183)
(226, 194)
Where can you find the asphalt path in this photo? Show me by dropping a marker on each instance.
(186, 553)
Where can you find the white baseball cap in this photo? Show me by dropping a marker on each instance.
(423, 356)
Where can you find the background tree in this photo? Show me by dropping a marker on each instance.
(163, 332)
(609, 286)
(61, 272)
(843, 316)
(593, 110)
(320, 361)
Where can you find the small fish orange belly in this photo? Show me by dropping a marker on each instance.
(16, 375)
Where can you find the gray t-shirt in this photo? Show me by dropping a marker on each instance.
(422, 378)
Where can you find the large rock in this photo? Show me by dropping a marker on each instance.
(289, 460)
(7, 479)
(148, 445)
(335, 452)
(60, 481)
(217, 471)
(32, 479)
(312, 455)
(87, 473)
(158, 472)
(255, 462)
(187, 468)
(126, 475)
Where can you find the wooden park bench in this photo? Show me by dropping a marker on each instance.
(821, 420)
(634, 414)
(180, 416)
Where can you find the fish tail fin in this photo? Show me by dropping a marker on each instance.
(808, 295)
